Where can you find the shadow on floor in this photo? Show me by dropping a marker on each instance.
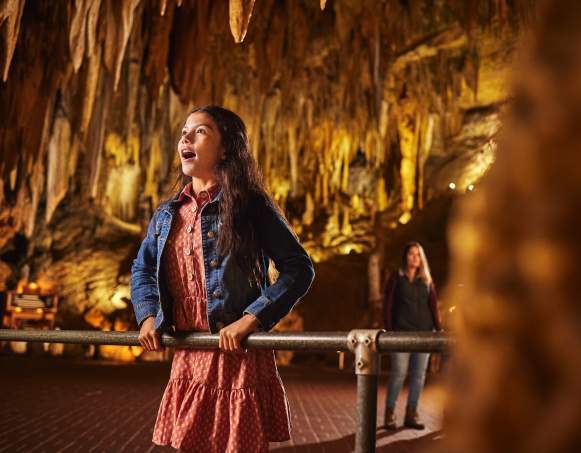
(418, 444)
(345, 444)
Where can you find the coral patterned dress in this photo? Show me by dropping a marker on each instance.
(214, 401)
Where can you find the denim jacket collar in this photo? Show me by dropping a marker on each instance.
(172, 204)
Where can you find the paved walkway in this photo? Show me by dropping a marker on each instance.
(61, 405)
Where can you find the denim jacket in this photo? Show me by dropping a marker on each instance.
(230, 293)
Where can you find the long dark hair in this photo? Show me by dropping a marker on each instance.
(243, 192)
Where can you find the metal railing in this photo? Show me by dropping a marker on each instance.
(366, 344)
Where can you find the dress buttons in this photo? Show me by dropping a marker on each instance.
(211, 234)
(214, 263)
(193, 208)
(188, 252)
(216, 294)
(190, 229)
(190, 276)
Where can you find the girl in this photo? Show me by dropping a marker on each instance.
(410, 304)
(203, 266)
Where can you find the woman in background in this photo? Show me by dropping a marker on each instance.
(410, 304)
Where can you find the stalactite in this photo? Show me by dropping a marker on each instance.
(293, 158)
(408, 132)
(118, 20)
(37, 179)
(191, 24)
(152, 177)
(78, 31)
(59, 150)
(163, 6)
(426, 134)
(157, 46)
(95, 138)
(92, 20)
(10, 15)
(381, 199)
(240, 14)
(93, 70)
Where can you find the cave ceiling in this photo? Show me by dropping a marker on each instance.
(359, 113)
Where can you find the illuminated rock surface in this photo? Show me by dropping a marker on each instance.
(359, 113)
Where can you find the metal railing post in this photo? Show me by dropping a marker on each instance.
(363, 343)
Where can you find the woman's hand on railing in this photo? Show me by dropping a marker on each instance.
(233, 334)
(148, 337)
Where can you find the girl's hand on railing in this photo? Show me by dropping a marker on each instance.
(233, 334)
(148, 337)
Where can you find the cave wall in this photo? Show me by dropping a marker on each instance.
(359, 113)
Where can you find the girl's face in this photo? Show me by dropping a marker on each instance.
(200, 146)
(413, 257)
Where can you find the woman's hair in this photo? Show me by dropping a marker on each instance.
(243, 192)
(424, 270)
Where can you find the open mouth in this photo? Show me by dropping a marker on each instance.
(187, 155)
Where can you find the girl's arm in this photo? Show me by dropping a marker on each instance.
(296, 272)
(144, 292)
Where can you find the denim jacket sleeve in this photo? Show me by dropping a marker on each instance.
(296, 272)
(144, 289)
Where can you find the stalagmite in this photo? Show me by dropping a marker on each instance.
(381, 198)
(308, 215)
(346, 228)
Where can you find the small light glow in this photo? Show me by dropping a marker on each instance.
(452, 308)
(346, 249)
(452, 185)
(39, 310)
(471, 187)
(120, 297)
(17, 309)
(405, 218)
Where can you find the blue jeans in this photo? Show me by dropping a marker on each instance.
(399, 362)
